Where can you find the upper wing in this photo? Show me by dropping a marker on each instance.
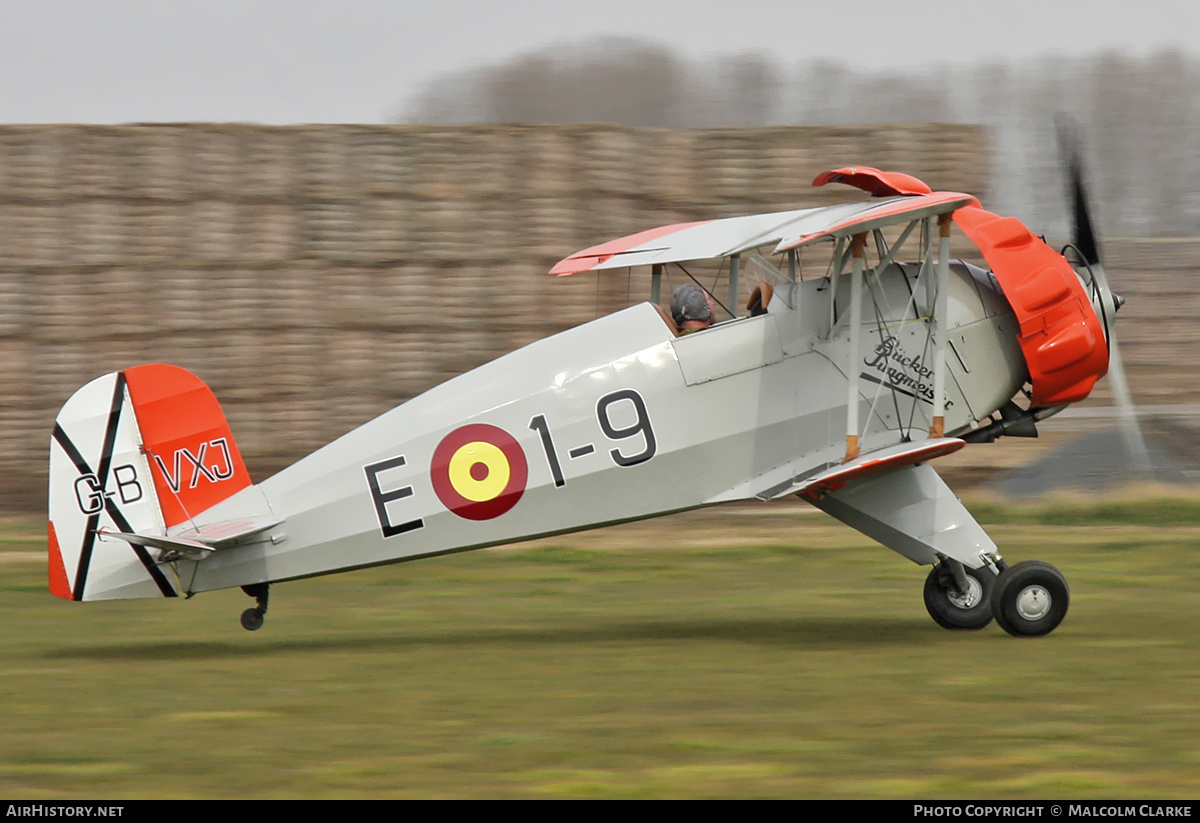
(882, 213)
(683, 241)
(786, 229)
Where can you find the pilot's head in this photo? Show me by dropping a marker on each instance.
(691, 307)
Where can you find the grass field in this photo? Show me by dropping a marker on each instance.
(746, 652)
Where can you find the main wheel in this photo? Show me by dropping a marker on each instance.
(954, 609)
(1030, 599)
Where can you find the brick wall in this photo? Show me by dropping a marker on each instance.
(316, 276)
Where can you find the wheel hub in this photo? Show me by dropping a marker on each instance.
(968, 599)
(1033, 602)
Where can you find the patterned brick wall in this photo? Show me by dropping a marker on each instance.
(315, 276)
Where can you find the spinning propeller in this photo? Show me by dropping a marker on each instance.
(1105, 301)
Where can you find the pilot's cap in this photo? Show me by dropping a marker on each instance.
(689, 302)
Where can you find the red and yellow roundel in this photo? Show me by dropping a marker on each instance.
(479, 471)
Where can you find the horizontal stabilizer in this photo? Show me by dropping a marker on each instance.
(876, 462)
(198, 543)
(226, 532)
(172, 546)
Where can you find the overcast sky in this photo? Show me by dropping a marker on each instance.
(359, 61)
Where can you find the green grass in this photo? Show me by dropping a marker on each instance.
(757, 652)
(1133, 510)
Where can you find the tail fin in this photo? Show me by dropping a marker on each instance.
(136, 451)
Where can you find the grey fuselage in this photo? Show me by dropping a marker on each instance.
(619, 419)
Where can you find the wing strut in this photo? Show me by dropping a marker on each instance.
(858, 254)
(735, 262)
(656, 273)
(941, 327)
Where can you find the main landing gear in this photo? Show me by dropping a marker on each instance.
(252, 619)
(959, 598)
(1028, 599)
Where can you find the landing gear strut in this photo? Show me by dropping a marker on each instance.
(252, 619)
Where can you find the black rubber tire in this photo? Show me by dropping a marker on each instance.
(1030, 599)
(252, 620)
(946, 607)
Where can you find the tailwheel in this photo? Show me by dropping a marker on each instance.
(959, 602)
(1030, 599)
(252, 619)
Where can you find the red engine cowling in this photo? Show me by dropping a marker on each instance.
(1061, 336)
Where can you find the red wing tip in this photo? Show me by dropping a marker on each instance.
(578, 265)
(571, 265)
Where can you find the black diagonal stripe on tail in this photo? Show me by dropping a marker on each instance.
(81, 465)
(110, 438)
(152, 568)
(63, 440)
(110, 434)
(89, 532)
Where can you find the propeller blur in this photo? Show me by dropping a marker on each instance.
(1106, 302)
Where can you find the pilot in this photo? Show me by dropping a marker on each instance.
(692, 308)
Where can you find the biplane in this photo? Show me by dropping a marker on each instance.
(841, 389)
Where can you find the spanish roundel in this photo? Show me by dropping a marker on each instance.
(479, 471)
